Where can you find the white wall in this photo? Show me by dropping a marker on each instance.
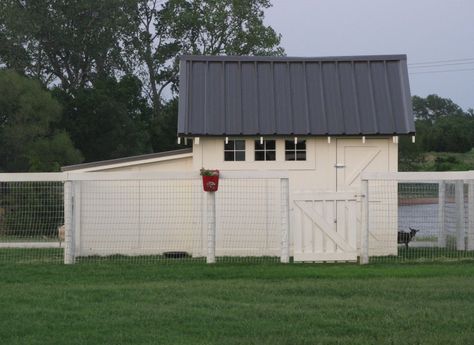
(127, 219)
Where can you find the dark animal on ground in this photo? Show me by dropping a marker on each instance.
(176, 255)
(406, 237)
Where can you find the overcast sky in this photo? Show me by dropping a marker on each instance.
(426, 30)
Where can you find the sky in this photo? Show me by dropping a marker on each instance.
(436, 35)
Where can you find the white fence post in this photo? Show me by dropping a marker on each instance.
(441, 214)
(460, 232)
(68, 223)
(285, 220)
(76, 223)
(364, 236)
(211, 228)
(470, 214)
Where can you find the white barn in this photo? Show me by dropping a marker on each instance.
(322, 120)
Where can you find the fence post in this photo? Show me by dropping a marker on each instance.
(441, 203)
(460, 232)
(285, 220)
(68, 223)
(364, 236)
(76, 217)
(470, 214)
(211, 228)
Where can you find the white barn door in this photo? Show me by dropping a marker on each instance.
(355, 157)
(325, 226)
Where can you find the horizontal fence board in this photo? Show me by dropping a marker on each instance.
(134, 176)
(419, 176)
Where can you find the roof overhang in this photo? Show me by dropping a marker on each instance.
(130, 161)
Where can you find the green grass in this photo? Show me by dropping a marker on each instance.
(194, 303)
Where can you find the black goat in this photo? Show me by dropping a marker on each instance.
(406, 237)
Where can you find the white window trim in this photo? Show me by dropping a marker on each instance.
(265, 150)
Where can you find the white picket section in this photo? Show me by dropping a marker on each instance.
(325, 226)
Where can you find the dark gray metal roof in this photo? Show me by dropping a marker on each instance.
(126, 159)
(256, 95)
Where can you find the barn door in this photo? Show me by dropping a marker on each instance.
(353, 157)
(325, 226)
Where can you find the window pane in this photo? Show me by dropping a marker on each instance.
(270, 144)
(289, 145)
(240, 155)
(240, 144)
(270, 155)
(300, 155)
(258, 146)
(229, 156)
(259, 155)
(301, 145)
(229, 146)
(290, 155)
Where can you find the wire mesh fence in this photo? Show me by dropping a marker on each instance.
(149, 218)
(31, 216)
(138, 219)
(417, 221)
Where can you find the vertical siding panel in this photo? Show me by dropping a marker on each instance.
(233, 109)
(396, 93)
(332, 102)
(266, 98)
(382, 103)
(348, 99)
(298, 98)
(215, 95)
(282, 102)
(197, 112)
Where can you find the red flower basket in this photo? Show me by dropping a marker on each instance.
(210, 183)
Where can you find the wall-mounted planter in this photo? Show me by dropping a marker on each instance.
(210, 180)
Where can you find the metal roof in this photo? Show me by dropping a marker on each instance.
(130, 159)
(256, 95)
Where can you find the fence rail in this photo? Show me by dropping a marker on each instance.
(149, 217)
(146, 216)
(422, 216)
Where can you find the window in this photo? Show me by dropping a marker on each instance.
(295, 152)
(265, 151)
(234, 150)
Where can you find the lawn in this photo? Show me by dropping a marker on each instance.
(193, 303)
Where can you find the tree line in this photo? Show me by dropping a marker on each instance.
(441, 126)
(87, 80)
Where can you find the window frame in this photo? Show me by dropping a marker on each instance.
(234, 150)
(295, 150)
(265, 150)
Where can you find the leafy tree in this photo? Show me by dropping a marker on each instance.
(213, 27)
(108, 120)
(70, 41)
(434, 107)
(449, 163)
(163, 131)
(411, 155)
(28, 119)
(449, 134)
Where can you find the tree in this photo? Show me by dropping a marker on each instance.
(70, 41)
(28, 120)
(434, 107)
(166, 30)
(107, 120)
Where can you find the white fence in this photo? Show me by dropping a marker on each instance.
(420, 216)
(158, 215)
(167, 216)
